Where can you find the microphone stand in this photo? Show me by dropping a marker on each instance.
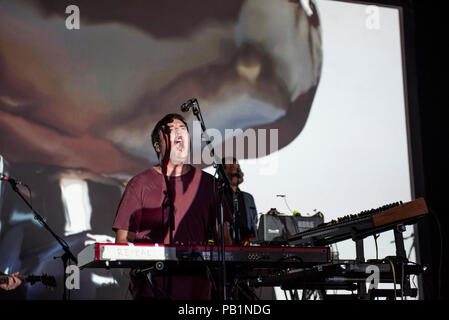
(67, 256)
(235, 230)
(223, 183)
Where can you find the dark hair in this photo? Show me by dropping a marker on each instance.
(161, 125)
(223, 160)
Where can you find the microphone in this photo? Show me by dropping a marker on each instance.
(185, 107)
(11, 180)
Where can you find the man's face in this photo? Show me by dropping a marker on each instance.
(232, 170)
(175, 142)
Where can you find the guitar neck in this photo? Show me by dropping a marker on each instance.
(4, 279)
(48, 281)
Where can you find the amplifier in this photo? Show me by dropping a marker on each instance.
(278, 228)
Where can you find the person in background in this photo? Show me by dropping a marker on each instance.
(244, 224)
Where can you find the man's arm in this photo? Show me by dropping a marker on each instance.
(251, 210)
(227, 236)
(125, 236)
(129, 206)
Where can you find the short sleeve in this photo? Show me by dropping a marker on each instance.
(129, 210)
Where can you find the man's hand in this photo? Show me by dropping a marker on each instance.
(13, 282)
(123, 236)
(227, 235)
(98, 238)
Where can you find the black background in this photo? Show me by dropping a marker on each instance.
(425, 53)
(427, 86)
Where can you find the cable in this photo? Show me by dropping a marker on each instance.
(157, 293)
(413, 281)
(375, 242)
(209, 273)
(242, 290)
(285, 200)
(411, 247)
(394, 276)
(337, 252)
(402, 281)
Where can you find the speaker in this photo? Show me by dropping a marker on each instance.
(278, 228)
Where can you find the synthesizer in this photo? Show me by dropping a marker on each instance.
(361, 225)
(338, 276)
(117, 255)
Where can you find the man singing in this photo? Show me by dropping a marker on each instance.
(172, 202)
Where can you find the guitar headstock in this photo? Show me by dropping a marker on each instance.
(48, 281)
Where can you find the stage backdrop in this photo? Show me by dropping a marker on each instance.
(79, 98)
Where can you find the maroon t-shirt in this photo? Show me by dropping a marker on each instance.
(195, 214)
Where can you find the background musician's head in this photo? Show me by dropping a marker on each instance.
(233, 171)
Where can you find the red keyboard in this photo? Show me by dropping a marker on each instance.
(115, 255)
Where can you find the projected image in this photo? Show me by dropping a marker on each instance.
(82, 87)
(352, 154)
